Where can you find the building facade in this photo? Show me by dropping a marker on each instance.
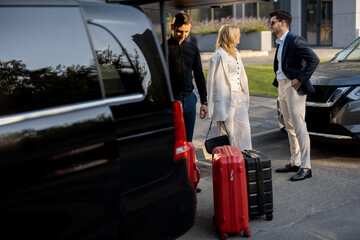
(333, 23)
(327, 23)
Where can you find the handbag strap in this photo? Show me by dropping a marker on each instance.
(210, 129)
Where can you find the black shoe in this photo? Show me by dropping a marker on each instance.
(301, 175)
(198, 190)
(287, 168)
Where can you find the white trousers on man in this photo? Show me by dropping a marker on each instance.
(292, 106)
(237, 124)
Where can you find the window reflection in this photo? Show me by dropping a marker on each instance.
(156, 88)
(24, 90)
(355, 54)
(347, 53)
(120, 76)
(117, 51)
(47, 64)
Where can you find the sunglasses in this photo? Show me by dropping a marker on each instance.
(273, 22)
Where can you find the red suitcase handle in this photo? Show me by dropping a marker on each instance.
(197, 176)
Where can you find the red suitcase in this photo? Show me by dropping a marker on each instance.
(193, 171)
(230, 191)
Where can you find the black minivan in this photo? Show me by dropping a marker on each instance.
(91, 141)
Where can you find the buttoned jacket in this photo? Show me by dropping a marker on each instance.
(219, 87)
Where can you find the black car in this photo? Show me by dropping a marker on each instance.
(333, 111)
(91, 141)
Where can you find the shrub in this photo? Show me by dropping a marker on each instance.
(246, 25)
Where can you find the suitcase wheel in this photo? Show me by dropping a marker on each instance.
(223, 236)
(247, 233)
(269, 216)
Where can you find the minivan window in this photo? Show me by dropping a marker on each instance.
(46, 62)
(118, 73)
(138, 43)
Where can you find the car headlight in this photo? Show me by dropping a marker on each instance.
(336, 95)
(354, 94)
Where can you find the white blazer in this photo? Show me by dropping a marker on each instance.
(219, 87)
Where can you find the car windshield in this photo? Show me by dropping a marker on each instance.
(350, 53)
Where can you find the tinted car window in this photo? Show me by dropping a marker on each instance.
(118, 74)
(137, 40)
(351, 52)
(355, 54)
(154, 81)
(46, 62)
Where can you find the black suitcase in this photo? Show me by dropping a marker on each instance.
(258, 175)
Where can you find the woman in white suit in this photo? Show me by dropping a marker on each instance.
(228, 91)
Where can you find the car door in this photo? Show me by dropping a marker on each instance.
(57, 132)
(154, 190)
(144, 125)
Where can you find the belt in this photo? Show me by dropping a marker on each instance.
(184, 94)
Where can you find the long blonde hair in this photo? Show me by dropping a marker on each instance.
(227, 37)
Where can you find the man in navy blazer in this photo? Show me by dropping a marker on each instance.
(294, 64)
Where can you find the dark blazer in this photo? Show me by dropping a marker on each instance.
(299, 62)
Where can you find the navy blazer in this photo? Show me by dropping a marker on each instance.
(299, 62)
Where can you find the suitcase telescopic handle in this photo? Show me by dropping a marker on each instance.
(197, 176)
(260, 186)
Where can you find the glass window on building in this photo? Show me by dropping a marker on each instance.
(326, 22)
(265, 8)
(311, 21)
(223, 12)
(251, 10)
(318, 23)
(201, 14)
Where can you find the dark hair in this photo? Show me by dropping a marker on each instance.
(181, 19)
(282, 14)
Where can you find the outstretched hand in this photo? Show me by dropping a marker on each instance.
(203, 111)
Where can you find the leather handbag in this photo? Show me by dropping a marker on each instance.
(214, 142)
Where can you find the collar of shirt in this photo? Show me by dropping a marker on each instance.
(279, 73)
(173, 41)
(282, 38)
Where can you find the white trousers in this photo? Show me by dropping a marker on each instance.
(292, 106)
(237, 123)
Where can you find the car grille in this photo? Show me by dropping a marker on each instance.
(322, 94)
